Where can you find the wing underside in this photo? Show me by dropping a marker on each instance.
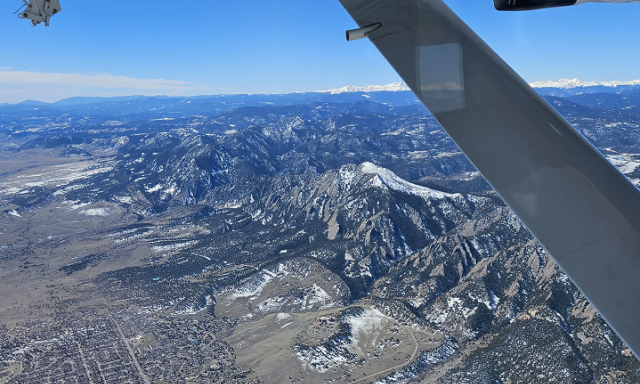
(580, 207)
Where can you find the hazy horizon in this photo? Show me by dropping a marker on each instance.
(255, 47)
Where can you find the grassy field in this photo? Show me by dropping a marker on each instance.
(36, 243)
(8, 370)
(380, 345)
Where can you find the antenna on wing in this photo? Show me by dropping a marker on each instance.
(40, 10)
(20, 9)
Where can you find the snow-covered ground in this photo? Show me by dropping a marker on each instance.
(54, 176)
(396, 183)
(108, 211)
(254, 287)
(623, 163)
(369, 324)
(174, 247)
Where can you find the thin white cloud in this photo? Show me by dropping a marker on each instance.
(16, 86)
(102, 81)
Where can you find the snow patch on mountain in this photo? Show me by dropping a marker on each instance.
(393, 87)
(174, 247)
(254, 287)
(369, 324)
(154, 189)
(561, 84)
(577, 83)
(108, 211)
(624, 164)
(320, 358)
(194, 309)
(393, 181)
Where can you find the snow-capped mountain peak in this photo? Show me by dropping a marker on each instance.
(565, 84)
(576, 83)
(393, 181)
(393, 87)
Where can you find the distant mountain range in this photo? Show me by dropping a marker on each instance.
(393, 87)
(570, 87)
(562, 87)
(398, 93)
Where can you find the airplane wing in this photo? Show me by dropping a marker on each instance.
(583, 211)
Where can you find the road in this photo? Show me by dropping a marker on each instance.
(133, 356)
(84, 362)
(126, 343)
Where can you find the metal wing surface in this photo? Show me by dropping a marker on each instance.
(579, 206)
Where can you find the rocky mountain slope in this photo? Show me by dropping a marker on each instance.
(265, 216)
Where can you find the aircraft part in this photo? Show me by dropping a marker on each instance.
(361, 33)
(524, 5)
(40, 10)
(581, 209)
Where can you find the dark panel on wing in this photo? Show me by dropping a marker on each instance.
(578, 205)
(526, 5)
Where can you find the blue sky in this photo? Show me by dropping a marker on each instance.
(98, 48)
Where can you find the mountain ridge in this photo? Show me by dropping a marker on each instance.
(563, 87)
(576, 83)
(212, 239)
